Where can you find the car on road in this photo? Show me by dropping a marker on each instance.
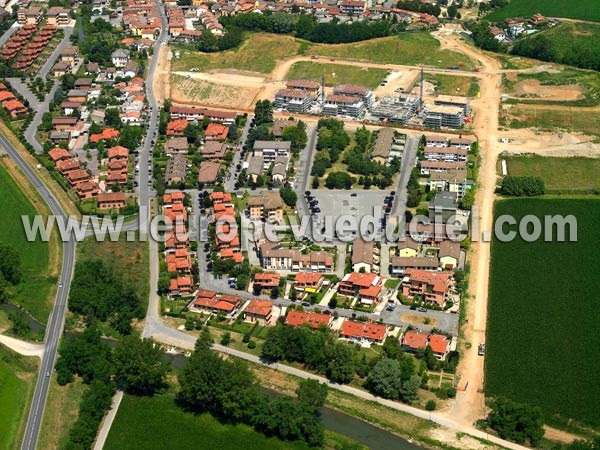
(481, 349)
(306, 304)
(60, 284)
(421, 309)
(354, 194)
(47, 373)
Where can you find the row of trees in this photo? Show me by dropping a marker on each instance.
(227, 389)
(99, 292)
(307, 27)
(331, 143)
(522, 186)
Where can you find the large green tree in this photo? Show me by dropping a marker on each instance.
(140, 365)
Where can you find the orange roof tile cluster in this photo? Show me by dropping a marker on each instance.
(210, 300)
(177, 127)
(108, 134)
(259, 307)
(216, 132)
(315, 320)
(358, 330)
(307, 278)
(419, 340)
(266, 280)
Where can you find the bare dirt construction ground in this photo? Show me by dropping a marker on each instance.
(419, 320)
(224, 93)
(161, 80)
(550, 144)
(534, 89)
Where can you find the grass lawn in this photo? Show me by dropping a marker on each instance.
(560, 175)
(542, 338)
(337, 74)
(131, 259)
(37, 284)
(17, 379)
(407, 48)
(157, 422)
(552, 8)
(552, 117)
(451, 85)
(60, 413)
(258, 53)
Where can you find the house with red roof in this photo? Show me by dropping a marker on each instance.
(430, 286)
(108, 134)
(314, 320)
(209, 301)
(308, 282)
(216, 132)
(179, 261)
(366, 286)
(58, 154)
(14, 107)
(259, 311)
(363, 331)
(181, 285)
(177, 127)
(111, 200)
(414, 341)
(266, 281)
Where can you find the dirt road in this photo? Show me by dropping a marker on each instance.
(161, 79)
(470, 404)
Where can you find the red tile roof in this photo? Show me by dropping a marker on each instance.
(359, 330)
(259, 307)
(315, 320)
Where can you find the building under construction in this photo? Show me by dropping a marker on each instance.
(437, 116)
(397, 109)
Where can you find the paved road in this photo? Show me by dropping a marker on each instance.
(304, 167)
(66, 40)
(7, 34)
(230, 182)
(57, 317)
(22, 89)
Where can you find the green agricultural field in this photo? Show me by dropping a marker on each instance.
(17, 377)
(560, 175)
(453, 85)
(552, 118)
(337, 74)
(157, 422)
(258, 53)
(408, 48)
(35, 287)
(542, 333)
(131, 259)
(552, 8)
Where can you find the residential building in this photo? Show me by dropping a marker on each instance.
(415, 341)
(266, 206)
(279, 170)
(363, 331)
(268, 281)
(449, 254)
(308, 282)
(454, 181)
(214, 150)
(176, 146)
(208, 173)
(256, 168)
(57, 16)
(312, 87)
(383, 145)
(436, 140)
(120, 57)
(364, 255)
(216, 132)
(30, 16)
(270, 150)
(360, 92)
(314, 320)
(176, 170)
(442, 207)
(343, 105)
(365, 286)
(259, 311)
(181, 285)
(447, 154)
(438, 116)
(399, 264)
(111, 200)
(273, 257)
(430, 286)
(177, 127)
(211, 302)
(293, 100)
(430, 167)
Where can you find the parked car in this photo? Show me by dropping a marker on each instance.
(481, 349)
(306, 304)
(421, 309)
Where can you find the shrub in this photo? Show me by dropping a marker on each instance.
(251, 345)
(430, 406)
